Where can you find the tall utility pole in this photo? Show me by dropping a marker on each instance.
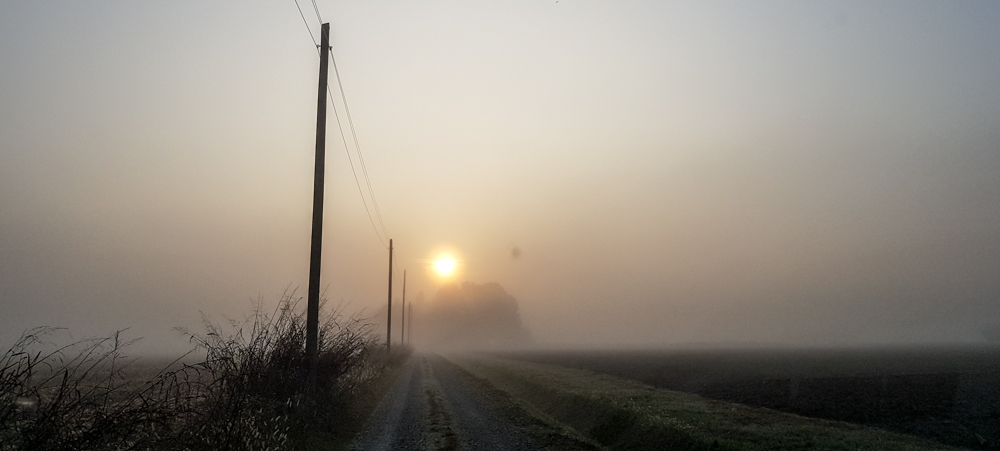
(315, 253)
(388, 322)
(402, 322)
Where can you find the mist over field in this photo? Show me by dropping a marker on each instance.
(630, 174)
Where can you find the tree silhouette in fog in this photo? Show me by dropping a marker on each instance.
(470, 315)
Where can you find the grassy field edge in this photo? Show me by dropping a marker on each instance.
(622, 414)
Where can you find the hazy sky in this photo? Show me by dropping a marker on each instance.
(672, 172)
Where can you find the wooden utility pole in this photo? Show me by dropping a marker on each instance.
(388, 321)
(402, 322)
(316, 251)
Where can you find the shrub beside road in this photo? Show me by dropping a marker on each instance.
(252, 390)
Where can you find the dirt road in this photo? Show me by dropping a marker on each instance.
(435, 405)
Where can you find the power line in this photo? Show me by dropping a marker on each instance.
(316, 8)
(357, 144)
(343, 138)
(355, 173)
(306, 23)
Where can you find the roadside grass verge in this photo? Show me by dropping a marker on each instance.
(252, 390)
(627, 415)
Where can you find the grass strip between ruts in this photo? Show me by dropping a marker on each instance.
(622, 414)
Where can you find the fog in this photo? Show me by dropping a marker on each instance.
(632, 173)
(458, 318)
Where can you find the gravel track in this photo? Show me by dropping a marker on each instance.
(398, 421)
(435, 405)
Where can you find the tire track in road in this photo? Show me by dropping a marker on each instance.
(397, 423)
(435, 405)
(438, 433)
(477, 424)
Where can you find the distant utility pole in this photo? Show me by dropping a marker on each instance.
(409, 327)
(402, 322)
(315, 253)
(388, 322)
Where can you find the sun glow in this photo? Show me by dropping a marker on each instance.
(444, 266)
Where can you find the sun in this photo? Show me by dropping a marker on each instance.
(444, 266)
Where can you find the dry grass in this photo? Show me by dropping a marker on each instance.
(252, 391)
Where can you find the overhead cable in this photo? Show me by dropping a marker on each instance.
(304, 21)
(316, 8)
(343, 138)
(355, 173)
(357, 144)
